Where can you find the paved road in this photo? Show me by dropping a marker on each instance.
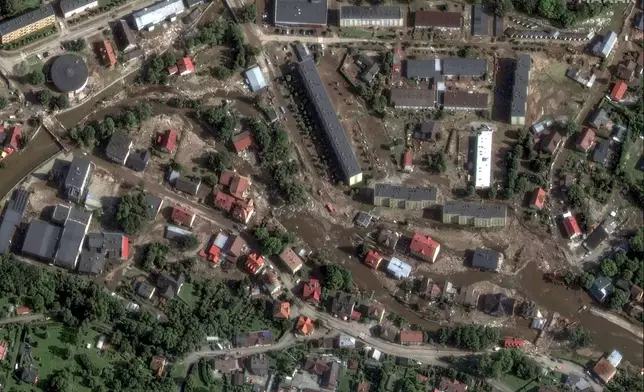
(22, 319)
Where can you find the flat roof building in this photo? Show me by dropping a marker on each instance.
(519, 100)
(604, 46)
(474, 214)
(423, 69)
(12, 217)
(456, 66)
(305, 13)
(77, 178)
(464, 100)
(396, 196)
(75, 7)
(327, 118)
(149, 17)
(41, 240)
(69, 73)
(22, 25)
(437, 20)
(255, 79)
(483, 168)
(376, 16)
(412, 98)
(480, 22)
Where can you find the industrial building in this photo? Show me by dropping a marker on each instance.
(410, 198)
(75, 7)
(377, 16)
(12, 217)
(483, 168)
(474, 214)
(464, 100)
(255, 79)
(480, 20)
(412, 98)
(124, 36)
(303, 13)
(460, 67)
(519, 100)
(328, 119)
(437, 20)
(22, 25)
(69, 73)
(149, 17)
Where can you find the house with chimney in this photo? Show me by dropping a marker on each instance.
(424, 247)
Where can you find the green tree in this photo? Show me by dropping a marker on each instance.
(248, 14)
(466, 51)
(492, 192)
(132, 213)
(437, 162)
(59, 102)
(218, 161)
(571, 127)
(44, 97)
(579, 338)
(37, 77)
(155, 255)
(128, 119)
(189, 242)
(222, 73)
(637, 240)
(4, 102)
(471, 189)
(618, 299)
(608, 268)
(587, 280)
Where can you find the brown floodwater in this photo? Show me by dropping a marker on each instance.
(529, 283)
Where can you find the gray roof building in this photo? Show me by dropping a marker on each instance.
(398, 192)
(13, 213)
(465, 100)
(482, 211)
(457, 66)
(20, 21)
(138, 160)
(145, 290)
(328, 121)
(638, 21)
(497, 26)
(300, 13)
(69, 6)
(124, 36)
(148, 17)
(302, 52)
(41, 240)
(119, 146)
(596, 238)
(70, 244)
(154, 204)
(369, 73)
(599, 118)
(77, 178)
(60, 214)
(600, 153)
(363, 219)
(423, 69)
(486, 259)
(69, 73)
(187, 185)
(91, 263)
(604, 46)
(112, 245)
(601, 288)
(132, 55)
(480, 23)
(370, 13)
(258, 365)
(192, 3)
(169, 285)
(412, 98)
(174, 233)
(425, 131)
(519, 100)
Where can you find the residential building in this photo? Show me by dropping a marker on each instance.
(119, 147)
(106, 53)
(239, 186)
(447, 385)
(424, 247)
(145, 290)
(225, 365)
(291, 260)
(605, 46)
(363, 219)
(626, 71)
(10, 141)
(426, 69)
(132, 55)
(509, 342)
(242, 210)
(169, 285)
(375, 311)
(372, 259)
(242, 141)
(304, 325)
(577, 383)
(412, 98)
(175, 233)
(407, 162)
(398, 268)
(330, 378)
(185, 66)
(75, 7)
(304, 13)
(255, 79)
(388, 238)
(12, 217)
(167, 141)
(28, 23)
(254, 263)
(551, 142)
(148, 17)
(487, 259)
(538, 198)
(575, 75)
(601, 288)
(619, 131)
(619, 89)
(375, 16)
(604, 370)
(480, 22)
(637, 293)
(437, 20)
(473, 214)
(519, 100)
(599, 119)
(157, 365)
(499, 305)
(408, 337)
(124, 36)
(258, 365)
(464, 100)
(327, 115)
(483, 167)
(464, 67)
(271, 282)
(396, 196)
(369, 73)
(342, 306)
(585, 139)
(183, 216)
(114, 246)
(425, 131)
(154, 203)
(138, 160)
(571, 226)
(615, 358)
(468, 296)
(282, 310)
(187, 185)
(312, 290)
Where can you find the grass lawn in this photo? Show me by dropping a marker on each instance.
(630, 165)
(25, 5)
(515, 383)
(572, 357)
(351, 32)
(344, 381)
(187, 294)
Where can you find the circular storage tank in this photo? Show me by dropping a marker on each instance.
(69, 73)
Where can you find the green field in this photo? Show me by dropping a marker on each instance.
(350, 32)
(516, 383)
(630, 164)
(187, 294)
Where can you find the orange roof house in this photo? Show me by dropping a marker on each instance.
(225, 177)
(224, 202)
(604, 370)
(242, 141)
(157, 365)
(291, 260)
(183, 216)
(407, 161)
(513, 342)
(571, 226)
(239, 185)
(372, 259)
(282, 310)
(538, 198)
(312, 290)
(618, 91)
(167, 141)
(23, 310)
(585, 140)
(424, 247)
(185, 66)
(254, 262)
(304, 325)
(408, 337)
(106, 53)
(243, 210)
(4, 345)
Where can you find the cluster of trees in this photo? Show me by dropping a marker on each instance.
(578, 337)
(155, 255)
(133, 213)
(4, 102)
(374, 97)
(36, 77)
(386, 62)
(54, 102)
(218, 161)
(273, 242)
(466, 52)
(624, 382)
(221, 121)
(524, 149)
(505, 361)
(437, 162)
(554, 10)
(247, 14)
(155, 69)
(77, 45)
(98, 133)
(275, 151)
(468, 336)
(337, 278)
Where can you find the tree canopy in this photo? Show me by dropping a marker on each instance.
(132, 213)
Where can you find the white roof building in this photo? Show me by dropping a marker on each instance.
(255, 79)
(483, 169)
(148, 17)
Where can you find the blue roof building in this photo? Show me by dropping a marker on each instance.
(615, 358)
(255, 79)
(602, 286)
(398, 268)
(605, 45)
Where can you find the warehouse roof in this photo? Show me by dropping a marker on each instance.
(91, 262)
(520, 86)
(255, 77)
(479, 20)
(301, 12)
(476, 210)
(456, 66)
(483, 169)
(437, 19)
(430, 68)
(69, 73)
(465, 99)
(26, 19)
(41, 240)
(486, 259)
(157, 12)
(412, 97)
(370, 13)
(405, 193)
(12, 217)
(118, 147)
(328, 119)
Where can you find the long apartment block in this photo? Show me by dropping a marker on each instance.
(27, 23)
(474, 214)
(379, 16)
(409, 198)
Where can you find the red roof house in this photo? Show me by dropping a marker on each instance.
(304, 325)
(243, 210)
(312, 290)
(225, 177)
(242, 141)
(167, 141)
(282, 310)
(254, 262)
(185, 66)
(4, 345)
(239, 185)
(224, 201)
(408, 337)
(538, 198)
(571, 226)
(372, 259)
(13, 137)
(407, 162)
(125, 247)
(619, 88)
(513, 342)
(23, 310)
(106, 53)
(585, 140)
(424, 247)
(183, 216)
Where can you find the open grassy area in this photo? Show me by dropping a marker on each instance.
(573, 357)
(350, 32)
(516, 383)
(630, 165)
(187, 294)
(344, 381)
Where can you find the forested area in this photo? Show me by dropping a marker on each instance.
(273, 242)
(468, 336)
(506, 361)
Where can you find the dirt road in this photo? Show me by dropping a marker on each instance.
(22, 319)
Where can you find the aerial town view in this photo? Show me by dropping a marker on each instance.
(321, 195)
